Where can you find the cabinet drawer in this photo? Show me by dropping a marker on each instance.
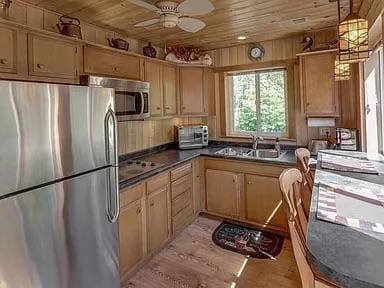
(157, 183)
(100, 61)
(181, 171)
(181, 185)
(52, 57)
(181, 201)
(131, 194)
(182, 219)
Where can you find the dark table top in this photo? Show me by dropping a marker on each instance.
(341, 254)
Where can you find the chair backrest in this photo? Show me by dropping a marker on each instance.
(302, 156)
(290, 186)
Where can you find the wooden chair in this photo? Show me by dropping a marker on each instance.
(302, 156)
(290, 186)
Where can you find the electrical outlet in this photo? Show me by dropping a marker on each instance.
(324, 131)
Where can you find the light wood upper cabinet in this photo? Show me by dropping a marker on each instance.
(154, 75)
(263, 201)
(50, 57)
(158, 218)
(132, 228)
(223, 192)
(192, 100)
(13, 51)
(318, 85)
(170, 90)
(105, 62)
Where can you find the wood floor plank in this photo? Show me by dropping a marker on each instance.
(192, 260)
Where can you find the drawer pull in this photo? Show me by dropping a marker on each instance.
(138, 211)
(40, 66)
(152, 204)
(4, 61)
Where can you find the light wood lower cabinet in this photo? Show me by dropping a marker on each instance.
(263, 201)
(158, 223)
(223, 192)
(132, 228)
(53, 58)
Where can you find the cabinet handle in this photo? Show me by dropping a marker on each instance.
(249, 182)
(233, 180)
(138, 211)
(152, 204)
(158, 108)
(167, 108)
(115, 69)
(40, 66)
(4, 61)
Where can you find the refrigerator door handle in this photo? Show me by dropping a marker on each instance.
(113, 198)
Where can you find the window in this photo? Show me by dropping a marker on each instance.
(257, 103)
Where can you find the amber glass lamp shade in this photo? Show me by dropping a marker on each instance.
(353, 39)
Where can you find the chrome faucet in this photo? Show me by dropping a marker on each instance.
(255, 141)
(277, 145)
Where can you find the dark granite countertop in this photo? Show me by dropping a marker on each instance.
(339, 253)
(172, 157)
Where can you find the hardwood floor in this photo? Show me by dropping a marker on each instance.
(192, 260)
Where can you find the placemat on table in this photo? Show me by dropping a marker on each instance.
(357, 206)
(347, 164)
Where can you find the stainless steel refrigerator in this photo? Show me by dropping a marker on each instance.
(58, 187)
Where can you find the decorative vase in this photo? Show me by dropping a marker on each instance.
(149, 51)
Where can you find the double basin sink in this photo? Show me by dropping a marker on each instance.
(251, 153)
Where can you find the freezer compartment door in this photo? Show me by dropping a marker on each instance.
(50, 131)
(60, 236)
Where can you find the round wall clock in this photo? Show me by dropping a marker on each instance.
(256, 52)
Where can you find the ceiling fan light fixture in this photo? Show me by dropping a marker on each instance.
(169, 20)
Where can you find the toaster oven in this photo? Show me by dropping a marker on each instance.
(192, 136)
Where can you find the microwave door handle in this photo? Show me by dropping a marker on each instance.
(142, 104)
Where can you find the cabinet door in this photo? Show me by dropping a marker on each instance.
(153, 75)
(54, 58)
(223, 192)
(192, 92)
(103, 61)
(263, 201)
(8, 50)
(158, 218)
(132, 235)
(318, 85)
(170, 89)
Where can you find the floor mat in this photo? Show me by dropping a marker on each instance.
(248, 241)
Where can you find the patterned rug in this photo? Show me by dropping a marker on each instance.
(247, 241)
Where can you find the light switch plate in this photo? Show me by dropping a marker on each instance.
(324, 131)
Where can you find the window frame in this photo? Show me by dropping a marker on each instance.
(230, 130)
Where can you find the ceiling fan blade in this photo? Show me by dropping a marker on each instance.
(195, 7)
(143, 4)
(190, 24)
(147, 22)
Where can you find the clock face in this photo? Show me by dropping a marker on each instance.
(256, 52)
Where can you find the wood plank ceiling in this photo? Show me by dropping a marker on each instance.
(259, 20)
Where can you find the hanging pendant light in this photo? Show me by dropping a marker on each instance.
(342, 70)
(353, 38)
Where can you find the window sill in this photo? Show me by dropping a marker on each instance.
(245, 138)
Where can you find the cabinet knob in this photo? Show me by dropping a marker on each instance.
(249, 182)
(158, 108)
(115, 69)
(152, 204)
(4, 61)
(40, 66)
(138, 211)
(233, 180)
(167, 108)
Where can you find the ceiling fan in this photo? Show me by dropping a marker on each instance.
(173, 14)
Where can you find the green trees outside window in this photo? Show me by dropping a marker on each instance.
(258, 102)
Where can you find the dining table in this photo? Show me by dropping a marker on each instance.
(340, 250)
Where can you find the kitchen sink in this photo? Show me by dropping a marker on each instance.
(234, 151)
(265, 153)
(250, 153)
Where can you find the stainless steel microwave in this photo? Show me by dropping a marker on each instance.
(131, 97)
(192, 136)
